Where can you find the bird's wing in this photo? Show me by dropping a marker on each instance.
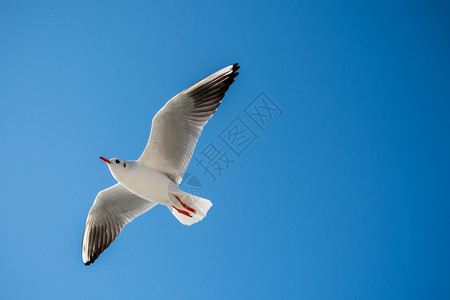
(113, 208)
(177, 126)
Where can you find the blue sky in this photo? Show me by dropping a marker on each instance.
(343, 194)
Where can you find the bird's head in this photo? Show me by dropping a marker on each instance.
(116, 165)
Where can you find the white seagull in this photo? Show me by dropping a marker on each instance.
(153, 178)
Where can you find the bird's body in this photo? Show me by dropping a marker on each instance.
(154, 186)
(146, 183)
(153, 178)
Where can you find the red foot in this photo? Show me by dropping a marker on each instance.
(185, 206)
(182, 212)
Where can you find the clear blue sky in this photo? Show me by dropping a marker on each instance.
(344, 196)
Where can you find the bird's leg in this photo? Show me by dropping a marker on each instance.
(182, 212)
(185, 206)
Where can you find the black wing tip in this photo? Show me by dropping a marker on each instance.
(90, 261)
(232, 76)
(214, 90)
(234, 73)
(235, 68)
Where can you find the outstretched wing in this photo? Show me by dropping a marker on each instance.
(178, 125)
(113, 208)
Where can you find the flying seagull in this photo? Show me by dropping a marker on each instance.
(154, 178)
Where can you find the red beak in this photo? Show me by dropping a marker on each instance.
(105, 160)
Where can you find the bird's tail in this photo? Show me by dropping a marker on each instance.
(191, 209)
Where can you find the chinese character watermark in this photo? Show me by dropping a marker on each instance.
(262, 110)
(214, 160)
(238, 136)
(191, 184)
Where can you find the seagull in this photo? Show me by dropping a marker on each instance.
(154, 178)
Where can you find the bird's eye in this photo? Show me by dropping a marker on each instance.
(117, 161)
